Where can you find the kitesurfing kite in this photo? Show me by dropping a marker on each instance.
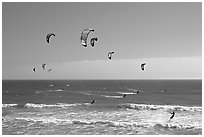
(93, 40)
(34, 69)
(43, 66)
(110, 54)
(142, 66)
(84, 36)
(49, 70)
(48, 37)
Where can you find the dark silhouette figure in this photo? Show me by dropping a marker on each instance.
(43, 66)
(34, 69)
(124, 96)
(173, 114)
(138, 92)
(50, 70)
(93, 101)
(143, 66)
(48, 37)
(110, 54)
(93, 40)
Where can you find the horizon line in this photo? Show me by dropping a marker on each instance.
(117, 79)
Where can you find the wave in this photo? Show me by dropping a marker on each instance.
(109, 123)
(126, 106)
(57, 90)
(176, 126)
(122, 124)
(112, 96)
(159, 107)
(61, 89)
(132, 124)
(33, 105)
(97, 123)
(61, 105)
(134, 90)
(43, 120)
(9, 105)
(86, 122)
(127, 93)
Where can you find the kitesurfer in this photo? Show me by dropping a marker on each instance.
(173, 114)
(93, 101)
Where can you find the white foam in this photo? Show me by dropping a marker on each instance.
(31, 105)
(58, 90)
(44, 119)
(178, 126)
(9, 105)
(126, 93)
(130, 89)
(62, 105)
(112, 96)
(166, 107)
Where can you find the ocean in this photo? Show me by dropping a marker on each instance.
(119, 107)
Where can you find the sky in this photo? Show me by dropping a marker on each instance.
(166, 36)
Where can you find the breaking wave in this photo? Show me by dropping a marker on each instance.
(109, 123)
(159, 107)
(9, 105)
(125, 106)
(32, 105)
(112, 96)
(61, 105)
(127, 93)
(177, 126)
(132, 124)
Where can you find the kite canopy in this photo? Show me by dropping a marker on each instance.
(43, 66)
(110, 54)
(93, 40)
(34, 69)
(84, 36)
(48, 37)
(49, 70)
(142, 66)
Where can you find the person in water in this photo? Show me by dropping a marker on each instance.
(173, 114)
(93, 101)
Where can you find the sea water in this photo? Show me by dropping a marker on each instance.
(60, 107)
